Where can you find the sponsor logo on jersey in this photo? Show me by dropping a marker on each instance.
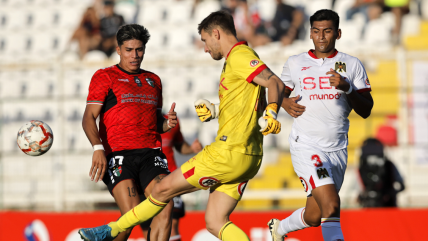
(367, 81)
(254, 62)
(305, 185)
(241, 187)
(322, 173)
(325, 97)
(340, 67)
(150, 82)
(208, 181)
(306, 68)
(224, 67)
(124, 80)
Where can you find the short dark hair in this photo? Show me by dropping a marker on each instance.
(132, 31)
(325, 15)
(221, 18)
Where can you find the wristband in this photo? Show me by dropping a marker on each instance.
(350, 90)
(98, 147)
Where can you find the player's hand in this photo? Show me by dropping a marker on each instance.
(99, 166)
(338, 81)
(292, 108)
(172, 117)
(268, 122)
(196, 146)
(206, 110)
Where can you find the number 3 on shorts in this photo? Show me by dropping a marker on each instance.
(317, 160)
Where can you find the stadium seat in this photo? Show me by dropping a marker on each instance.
(204, 8)
(95, 56)
(377, 33)
(315, 5)
(152, 13)
(266, 9)
(341, 7)
(179, 12)
(128, 10)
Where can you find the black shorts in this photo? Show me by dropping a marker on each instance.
(177, 212)
(140, 165)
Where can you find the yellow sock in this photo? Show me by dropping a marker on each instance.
(231, 232)
(142, 212)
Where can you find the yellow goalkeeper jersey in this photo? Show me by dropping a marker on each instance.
(242, 102)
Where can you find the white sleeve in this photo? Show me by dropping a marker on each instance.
(286, 76)
(360, 80)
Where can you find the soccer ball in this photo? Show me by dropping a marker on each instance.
(35, 138)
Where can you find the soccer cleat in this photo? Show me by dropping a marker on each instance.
(101, 233)
(273, 226)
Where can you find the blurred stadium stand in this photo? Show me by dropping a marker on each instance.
(40, 78)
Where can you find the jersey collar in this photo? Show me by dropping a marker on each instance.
(310, 52)
(126, 72)
(238, 43)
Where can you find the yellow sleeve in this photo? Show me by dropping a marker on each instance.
(246, 64)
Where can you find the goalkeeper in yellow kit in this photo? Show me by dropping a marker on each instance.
(235, 157)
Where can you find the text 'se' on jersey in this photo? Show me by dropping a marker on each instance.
(242, 102)
(130, 102)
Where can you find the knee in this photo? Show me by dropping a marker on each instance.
(160, 189)
(332, 209)
(214, 224)
(314, 222)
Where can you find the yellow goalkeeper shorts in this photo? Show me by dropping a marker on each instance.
(221, 170)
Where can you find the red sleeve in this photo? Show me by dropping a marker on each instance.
(178, 137)
(256, 72)
(98, 88)
(160, 100)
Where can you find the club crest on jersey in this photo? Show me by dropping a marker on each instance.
(322, 173)
(150, 82)
(138, 81)
(208, 181)
(367, 81)
(340, 67)
(241, 187)
(305, 185)
(254, 62)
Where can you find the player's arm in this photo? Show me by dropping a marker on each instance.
(164, 125)
(185, 149)
(290, 104)
(268, 122)
(99, 162)
(362, 103)
(268, 79)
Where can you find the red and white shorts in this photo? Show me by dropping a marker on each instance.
(317, 168)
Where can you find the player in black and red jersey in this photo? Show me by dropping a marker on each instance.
(170, 140)
(128, 100)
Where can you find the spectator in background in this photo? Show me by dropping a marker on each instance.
(286, 24)
(87, 33)
(371, 10)
(398, 8)
(363, 6)
(109, 25)
(380, 178)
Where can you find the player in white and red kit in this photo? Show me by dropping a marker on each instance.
(328, 85)
(170, 140)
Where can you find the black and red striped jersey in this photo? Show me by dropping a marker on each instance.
(130, 101)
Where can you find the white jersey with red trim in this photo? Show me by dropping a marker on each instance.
(325, 122)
